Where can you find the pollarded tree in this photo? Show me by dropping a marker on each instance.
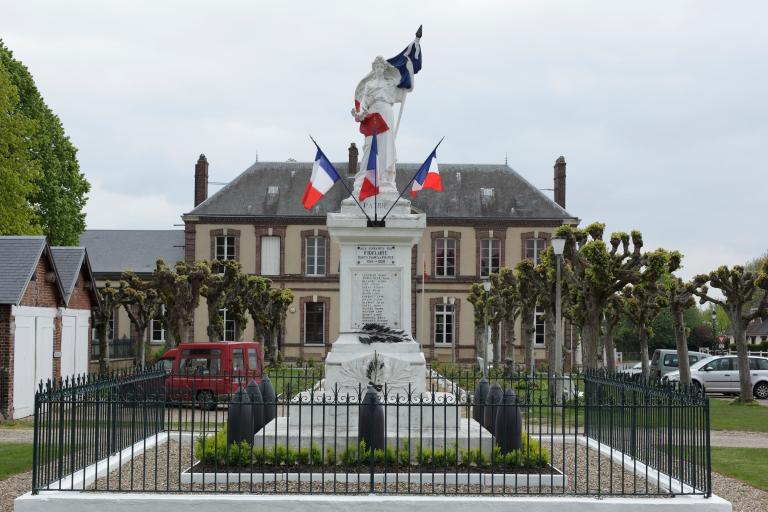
(527, 291)
(489, 310)
(642, 303)
(106, 302)
(740, 289)
(280, 299)
(599, 271)
(141, 302)
(179, 290)
(611, 317)
(221, 288)
(681, 298)
(508, 306)
(268, 307)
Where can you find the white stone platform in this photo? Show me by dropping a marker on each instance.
(468, 434)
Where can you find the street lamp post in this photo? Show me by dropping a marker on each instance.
(558, 244)
(714, 324)
(487, 288)
(454, 341)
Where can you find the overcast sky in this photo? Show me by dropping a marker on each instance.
(658, 107)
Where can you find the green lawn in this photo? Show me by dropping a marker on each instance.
(15, 458)
(727, 415)
(750, 465)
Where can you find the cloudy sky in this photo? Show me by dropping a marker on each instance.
(658, 107)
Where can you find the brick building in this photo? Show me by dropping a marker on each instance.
(40, 314)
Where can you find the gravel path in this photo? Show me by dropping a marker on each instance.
(743, 497)
(12, 487)
(16, 435)
(734, 439)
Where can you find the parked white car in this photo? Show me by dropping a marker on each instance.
(720, 374)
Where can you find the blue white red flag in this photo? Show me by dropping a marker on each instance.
(324, 175)
(428, 175)
(370, 186)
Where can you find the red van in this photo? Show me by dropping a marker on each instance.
(209, 372)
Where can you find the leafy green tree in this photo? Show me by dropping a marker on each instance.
(740, 288)
(142, 303)
(600, 270)
(107, 302)
(60, 192)
(179, 291)
(611, 318)
(268, 308)
(19, 172)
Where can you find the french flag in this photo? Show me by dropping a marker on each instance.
(324, 175)
(370, 186)
(428, 175)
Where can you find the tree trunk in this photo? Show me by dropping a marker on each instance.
(273, 342)
(496, 333)
(550, 341)
(590, 340)
(610, 352)
(742, 355)
(141, 356)
(509, 344)
(683, 364)
(644, 351)
(215, 329)
(528, 330)
(101, 330)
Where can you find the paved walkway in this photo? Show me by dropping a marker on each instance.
(15, 435)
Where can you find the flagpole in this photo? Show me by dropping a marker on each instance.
(376, 182)
(423, 295)
(409, 184)
(341, 179)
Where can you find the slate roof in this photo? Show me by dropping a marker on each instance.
(112, 251)
(69, 261)
(512, 196)
(18, 259)
(757, 327)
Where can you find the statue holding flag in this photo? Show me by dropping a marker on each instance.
(388, 83)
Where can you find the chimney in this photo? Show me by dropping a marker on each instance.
(352, 159)
(201, 180)
(560, 181)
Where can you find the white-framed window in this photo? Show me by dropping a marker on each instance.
(314, 256)
(538, 322)
(314, 323)
(225, 248)
(270, 255)
(490, 256)
(445, 257)
(534, 247)
(229, 326)
(444, 324)
(157, 330)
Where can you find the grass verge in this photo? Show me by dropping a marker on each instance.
(750, 465)
(15, 458)
(727, 415)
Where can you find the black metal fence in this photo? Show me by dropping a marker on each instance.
(505, 433)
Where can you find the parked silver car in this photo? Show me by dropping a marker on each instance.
(665, 361)
(720, 374)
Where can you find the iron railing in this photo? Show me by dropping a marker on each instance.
(590, 434)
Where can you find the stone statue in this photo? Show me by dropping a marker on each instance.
(389, 81)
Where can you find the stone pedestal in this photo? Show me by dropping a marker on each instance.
(375, 288)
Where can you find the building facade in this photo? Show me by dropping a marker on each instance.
(487, 216)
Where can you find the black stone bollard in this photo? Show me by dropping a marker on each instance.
(481, 396)
(492, 406)
(370, 423)
(257, 405)
(240, 418)
(509, 424)
(270, 400)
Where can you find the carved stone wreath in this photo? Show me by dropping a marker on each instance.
(375, 333)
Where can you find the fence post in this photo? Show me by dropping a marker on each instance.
(35, 443)
(709, 454)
